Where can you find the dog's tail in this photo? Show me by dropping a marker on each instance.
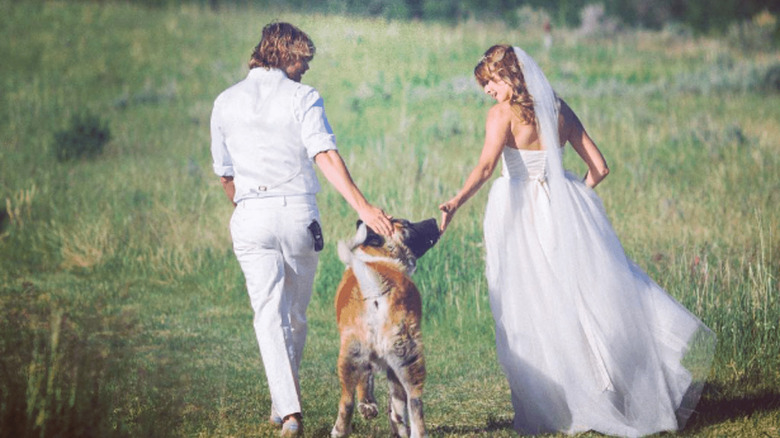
(345, 248)
(345, 253)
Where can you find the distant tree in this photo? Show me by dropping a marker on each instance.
(710, 16)
(702, 16)
(415, 8)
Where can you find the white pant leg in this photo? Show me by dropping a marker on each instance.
(275, 250)
(299, 282)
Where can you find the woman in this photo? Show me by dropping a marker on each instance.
(586, 339)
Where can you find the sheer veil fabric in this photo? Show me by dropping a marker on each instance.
(586, 339)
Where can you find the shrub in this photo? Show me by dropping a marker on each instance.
(84, 138)
(772, 78)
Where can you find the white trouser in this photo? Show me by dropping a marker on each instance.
(275, 249)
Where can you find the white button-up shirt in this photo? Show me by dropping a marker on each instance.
(265, 132)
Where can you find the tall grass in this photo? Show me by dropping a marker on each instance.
(123, 312)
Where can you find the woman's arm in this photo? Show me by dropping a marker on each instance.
(332, 166)
(573, 132)
(496, 131)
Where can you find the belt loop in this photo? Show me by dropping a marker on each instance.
(284, 201)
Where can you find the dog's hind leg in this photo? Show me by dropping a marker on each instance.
(365, 394)
(410, 389)
(396, 405)
(409, 370)
(416, 418)
(349, 375)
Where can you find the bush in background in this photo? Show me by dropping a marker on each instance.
(702, 17)
(754, 34)
(772, 78)
(84, 138)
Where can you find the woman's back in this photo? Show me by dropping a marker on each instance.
(524, 135)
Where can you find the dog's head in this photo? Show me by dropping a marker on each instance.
(409, 241)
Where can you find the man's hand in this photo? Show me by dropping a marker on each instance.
(332, 166)
(228, 187)
(376, 219)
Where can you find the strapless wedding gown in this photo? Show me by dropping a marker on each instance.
(610, 352)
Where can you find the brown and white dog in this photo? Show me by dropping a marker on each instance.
(378, 309)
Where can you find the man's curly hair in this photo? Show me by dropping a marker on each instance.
(281, 45)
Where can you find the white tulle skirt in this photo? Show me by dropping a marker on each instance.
(594, 345)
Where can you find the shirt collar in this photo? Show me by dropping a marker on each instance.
(271, 72)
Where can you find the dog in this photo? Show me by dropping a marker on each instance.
(378, 310)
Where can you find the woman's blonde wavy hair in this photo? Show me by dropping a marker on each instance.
(281, 45)
(500, 62)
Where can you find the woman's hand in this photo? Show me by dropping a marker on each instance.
(448, 210)
(497, 129)
(575, 133)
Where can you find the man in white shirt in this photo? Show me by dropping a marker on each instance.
(266, 133)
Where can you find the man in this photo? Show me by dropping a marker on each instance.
(266, 132)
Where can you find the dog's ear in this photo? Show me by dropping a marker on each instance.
(372, 238)
(357, 224)
(366, 236)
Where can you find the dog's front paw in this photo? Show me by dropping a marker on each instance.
(369, 411)
(336, 433)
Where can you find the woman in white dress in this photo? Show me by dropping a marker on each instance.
(586, 339)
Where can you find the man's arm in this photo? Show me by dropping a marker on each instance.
(334, 169)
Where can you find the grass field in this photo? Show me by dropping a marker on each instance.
(123, 311)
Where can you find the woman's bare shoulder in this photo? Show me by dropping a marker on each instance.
(499, 109)
(500, 113)
(566, 113)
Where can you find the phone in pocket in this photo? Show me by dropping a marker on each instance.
(316, 233)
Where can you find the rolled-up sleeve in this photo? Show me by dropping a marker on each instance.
(316, 133)
(222, 163)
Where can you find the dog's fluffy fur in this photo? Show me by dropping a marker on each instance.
(378, 309)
